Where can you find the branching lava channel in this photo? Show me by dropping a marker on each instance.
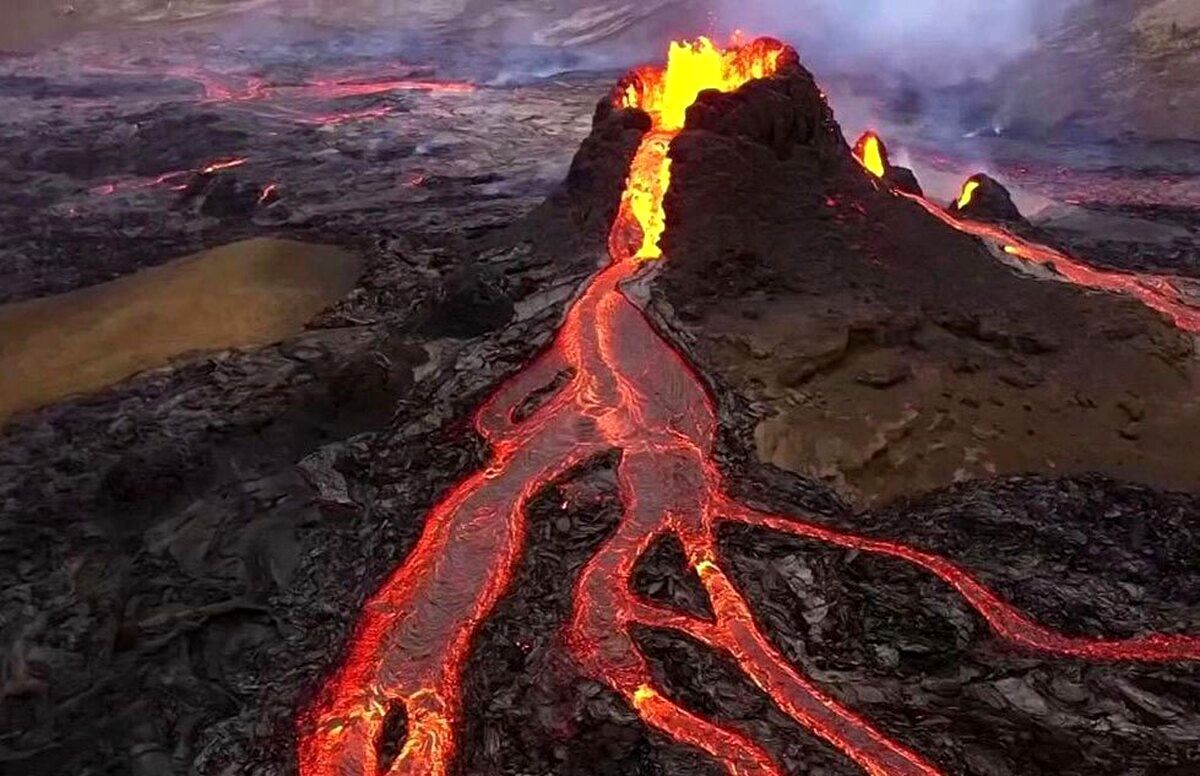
(632, 391)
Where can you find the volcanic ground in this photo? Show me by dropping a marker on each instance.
(184, 554)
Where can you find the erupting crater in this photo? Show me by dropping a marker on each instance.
(630, 390)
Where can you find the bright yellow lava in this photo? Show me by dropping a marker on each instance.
(643, 694)
(872, 157)
(692, 67)
(666, 94)
(968, 193)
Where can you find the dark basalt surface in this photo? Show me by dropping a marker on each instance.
(182, 556)
(452, 165)
(1146, 238)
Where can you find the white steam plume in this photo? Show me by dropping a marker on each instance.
(936, 41)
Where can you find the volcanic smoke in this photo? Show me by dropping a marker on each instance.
(630, 391)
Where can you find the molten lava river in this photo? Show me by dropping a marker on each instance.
(630, 390)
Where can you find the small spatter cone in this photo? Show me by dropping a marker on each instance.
(872, 153)
(983, 198)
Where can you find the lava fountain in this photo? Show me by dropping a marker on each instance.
(871, 154)
(630, 391)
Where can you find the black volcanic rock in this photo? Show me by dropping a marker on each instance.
(223, 195)
(989, 201)
(903, 179)
(786, 113)
(469, 305)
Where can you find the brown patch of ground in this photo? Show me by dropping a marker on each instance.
(882, 413)
(248, 293)
(29, 24)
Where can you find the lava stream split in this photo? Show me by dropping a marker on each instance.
(632, 391)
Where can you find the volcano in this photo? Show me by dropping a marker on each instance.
(732, 151)
(736, 454)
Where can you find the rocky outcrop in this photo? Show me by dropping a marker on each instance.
(983, 198)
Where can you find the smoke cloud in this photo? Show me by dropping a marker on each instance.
(937, 42)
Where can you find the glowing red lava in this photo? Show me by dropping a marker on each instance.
(631, 391)
(283, 99)
(290, 101)
(167, 178)
(230, 87)
(1158, 292)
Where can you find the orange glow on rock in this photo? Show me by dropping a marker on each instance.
(170, 179)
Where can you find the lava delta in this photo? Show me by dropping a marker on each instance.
(739, 201)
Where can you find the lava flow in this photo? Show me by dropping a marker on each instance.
(229, 87)
(630, 390)
(295, 101)
(1158, 292)
(167, 178)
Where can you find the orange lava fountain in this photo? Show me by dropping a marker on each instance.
(870, 154)
(630, 391)
(1158, 292)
